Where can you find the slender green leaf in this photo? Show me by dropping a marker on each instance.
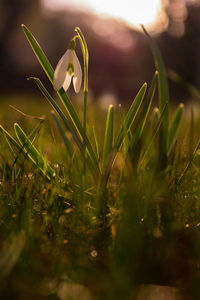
(131, 115)
(35, 130)
(85, 55)
(10, 138)
(175, 124)
(39, 53)
(155, 117)
(86, 64)
(159, 118)
(149, 101)
(96, 143)
(189, 163)
(191, 133)
(144, 113)
(32, 152)
(127, 122)
(163, 92)
(108, 140)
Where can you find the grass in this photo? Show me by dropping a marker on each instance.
(91, 211)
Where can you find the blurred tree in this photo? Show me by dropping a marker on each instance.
(11, 10)
(180, 46)
(120, 56)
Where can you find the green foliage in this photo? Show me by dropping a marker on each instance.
(166, 134)
(63, 96)
(175, 125)
(117, 203)
(131, 115)
(32, 152)
(108, 140)
(163, 96)
(26, 146)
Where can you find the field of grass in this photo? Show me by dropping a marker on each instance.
(106, 202)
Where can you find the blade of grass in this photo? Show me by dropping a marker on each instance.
(96, 143)
(35, 131)
(85, 55)
(127, 122)
(10, 138)
(155, 117)
(144, 113)
(32, 152)
(156, 130)
(86, 63)
(131, 115)
(39, 53)
(12, 141)
(148, 102)
(163, 94)
(188, 164)
(191, 133)
(175, 125)
(108, 139)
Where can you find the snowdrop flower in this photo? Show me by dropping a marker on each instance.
(68, 67)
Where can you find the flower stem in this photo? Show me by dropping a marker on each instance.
(86, 60)
(84, 135)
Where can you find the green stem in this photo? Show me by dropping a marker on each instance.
(84, 134)
(85, 53)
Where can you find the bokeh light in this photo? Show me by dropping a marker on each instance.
(133, 12)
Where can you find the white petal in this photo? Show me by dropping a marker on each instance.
(67, 81)
(77, 79)
(61, 70)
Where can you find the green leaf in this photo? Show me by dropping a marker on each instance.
(96, 142)
(108, 139)
(144, 113)
(10, 138)
(155, 117)
(149, 101)
(32, 152)
(191, 133)
(175, 125)
(39, 53)
(163, 94)
(131, 115)
(85, 55)
(188, 164)
(127, 123)
(158, 120)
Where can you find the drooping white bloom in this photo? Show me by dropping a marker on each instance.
(68, 67)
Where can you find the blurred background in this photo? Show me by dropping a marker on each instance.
(120, 55)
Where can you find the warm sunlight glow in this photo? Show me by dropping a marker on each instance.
(134, 12)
